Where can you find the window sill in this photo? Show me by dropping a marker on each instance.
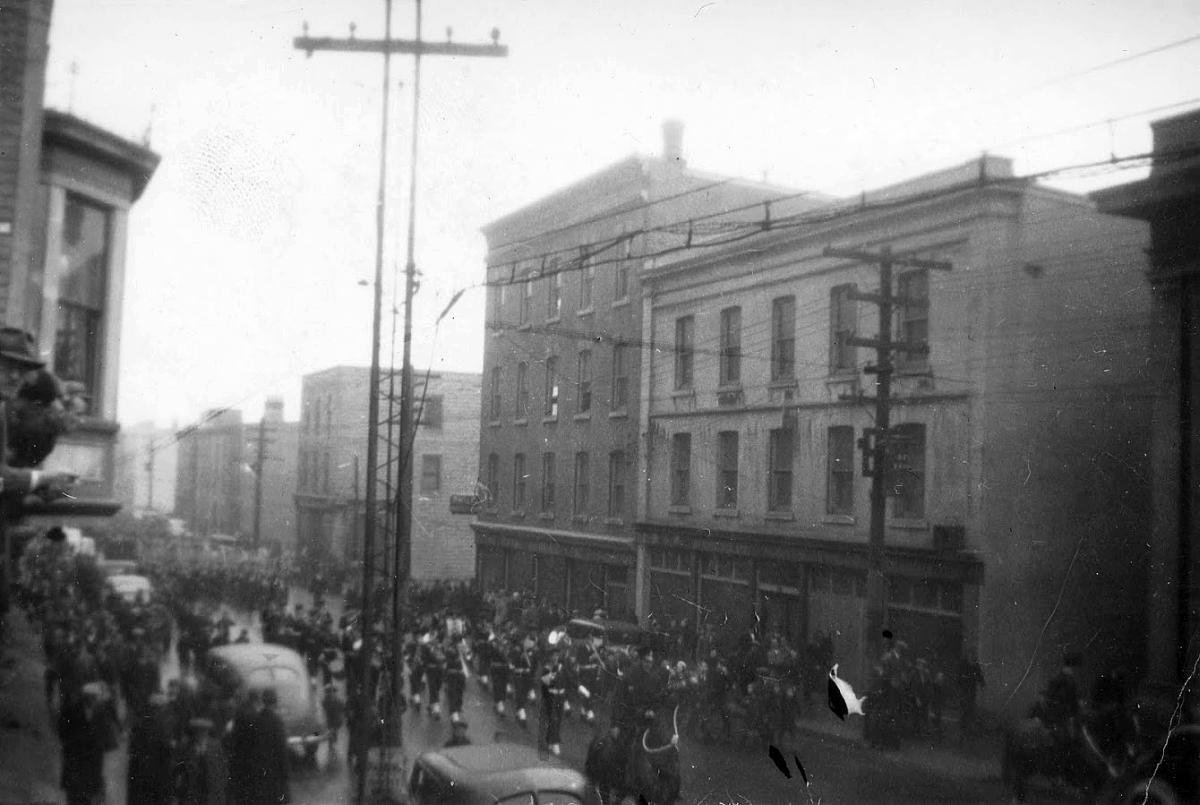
(839, 519)
(587, 311)
(908, 523)
(622, 414)
(585, 417)
(545, 515)
(842, 376)
(521, 421)
(726, 512)
(788, 516)
(613, 521)
(676, 509)
(495, 423)
(911, 370)
(516, 515)
(579, 518)
(549, 420)
(783, 383)
(621, 302)
(554, 319)
(524, 328)
(687, 392)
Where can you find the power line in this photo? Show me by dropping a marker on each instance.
(1103, 66)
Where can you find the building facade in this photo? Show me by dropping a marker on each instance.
(560, 444)
(1169, 201)
(1016, 508)
(147, 467)
(217, 490)
(66, 191)
(330, 486)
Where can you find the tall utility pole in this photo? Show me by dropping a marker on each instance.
(387, 46)
(260, 463)
(876, 440)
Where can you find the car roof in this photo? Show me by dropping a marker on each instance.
(257, 655)
(500, 770)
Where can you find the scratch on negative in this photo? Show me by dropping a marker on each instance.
(691, 603)
(1175, 717)
(1037, 644)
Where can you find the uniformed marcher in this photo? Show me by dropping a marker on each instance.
(456, 678)
(522, 674)
(458, 735)
(499, 674)
(434, 662)
(554, 682)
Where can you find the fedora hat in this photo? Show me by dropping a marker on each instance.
(18, 346)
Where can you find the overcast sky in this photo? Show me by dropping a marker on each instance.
(246, 252)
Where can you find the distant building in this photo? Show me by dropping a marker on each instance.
(67, 188)
(1017, 505)
(330, 491)
(1169, 201)
(147, 458)
(217, 463)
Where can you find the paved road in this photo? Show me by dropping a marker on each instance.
(722, 773)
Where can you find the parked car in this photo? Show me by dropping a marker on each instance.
(128, 586)
(487, 774)
(234, 670)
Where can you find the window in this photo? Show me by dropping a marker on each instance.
(551, 407)
(913, 324)
(518, 503)
(495, 409)
(783, 338)
(843, 323)
(522, 390)
(616, 483)
(548, 482)
(553, 291)
(493, 479)
(585, 381)
(82, 291)
(906, 458)
(587, 280)
(526, 300)
(497, 305)
(621, 288)
(581, 483)
(431, 411)
(620, 379)
(681, 469)
(685, 345)
(431, 475)
(727, 469)
(779, 491)
(731, 346)
(839, 498)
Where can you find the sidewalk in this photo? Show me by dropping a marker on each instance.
(29, 751)
(973, 760)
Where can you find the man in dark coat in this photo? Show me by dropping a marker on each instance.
(150, 755)
(269, 758)
(81, 731)
(243, 739)
(202, 773)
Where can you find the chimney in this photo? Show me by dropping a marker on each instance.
(273, 411)
(673, 142)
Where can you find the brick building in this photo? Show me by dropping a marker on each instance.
(145, 482)
(330, 492)
(216, 476)
(1016, 514)
(560, 445)
(66, 191)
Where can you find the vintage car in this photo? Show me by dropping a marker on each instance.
(494, 774)
(231, 671)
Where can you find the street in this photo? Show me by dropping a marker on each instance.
(721, 773)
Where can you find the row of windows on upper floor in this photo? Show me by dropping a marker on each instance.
(618, 391)
(548, 280)
(428, 414)
(905, 476)
(314, 473)
(911, 329)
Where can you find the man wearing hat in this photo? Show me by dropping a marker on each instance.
(81, 731)
(151, 739)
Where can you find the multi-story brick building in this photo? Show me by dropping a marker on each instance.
(146, 469)
(1017, 507)
(66, 191)
(216, 488)
(559, 444)
(330, 491)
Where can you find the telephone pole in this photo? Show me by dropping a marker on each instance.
(417, 48)
(876, 440)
